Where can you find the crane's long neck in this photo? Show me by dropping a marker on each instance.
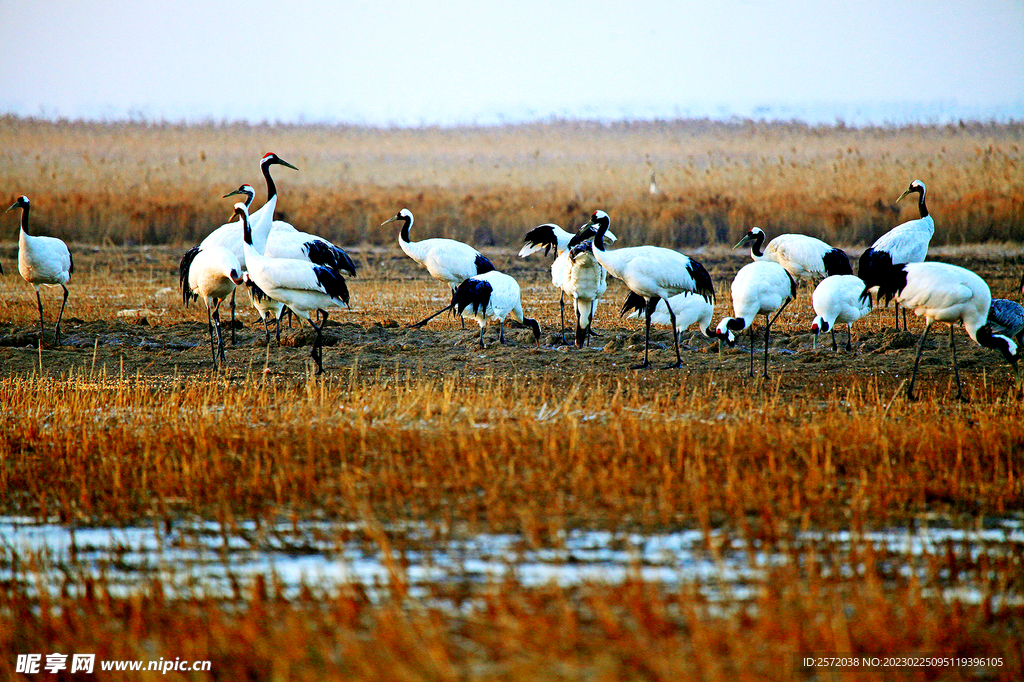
(755, 246)
(271, 187)
(921, 205)
(24, 219)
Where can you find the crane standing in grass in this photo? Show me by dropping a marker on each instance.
(213, 276)
(655, 273)
(43, 261)
(493, 296)
(807, 259)
(447, 260)
(838, 299)
(941, 292)
(905, 243)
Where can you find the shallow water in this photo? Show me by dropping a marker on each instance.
(202, 558)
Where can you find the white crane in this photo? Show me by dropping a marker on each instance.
(302, 286)
(492, 295)
(1007, 318)
(905, 243)
(941, 292)
(550, 236)
(585, 280)
(806, 258)
(655, 273)
(689, 309)
(447, 260)
(213, 276)
(838, 299)
(761, 287)
(43, 261)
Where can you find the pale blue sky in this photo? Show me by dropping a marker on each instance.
(459, 61)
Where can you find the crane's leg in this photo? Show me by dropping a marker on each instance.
(752, 350)
(232, 318)
(60, 316)
(952, 346)
(266, 328)
(920, 346)
(482, 327)
(648, 311)
(905, 327)
(209, 330)
(675, 337)
(220, 339)
(767, 332)
(590, 325)
(834, 346)
(39, 302)
(421, 323)
(278, 332)
(317, 353)
(501, 332)
(849, 335)
(561, 306)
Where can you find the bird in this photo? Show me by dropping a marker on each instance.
(1007, 318)
(905, 243)
(585, 280)
(941, 292)
(550, 236)
(229, 235)
(43, 261)
(492, 295)
(285, 241)
(689, 309)
(302, 286)
(213, 275)
(447, 260)
(837, 299)
(761, 287)
(654, 272)
(806, 258)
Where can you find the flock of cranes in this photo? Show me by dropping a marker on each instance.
(285, 269)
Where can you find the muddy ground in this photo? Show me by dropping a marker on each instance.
(125, 315)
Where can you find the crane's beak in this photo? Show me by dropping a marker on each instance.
(231, 194)
(389, 220)
(746, 238)
(285, 163)
(905, 193)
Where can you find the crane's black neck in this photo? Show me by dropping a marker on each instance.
(246, 228)
(920, 202)
(271, 187)
(757, 241)
(406, 224)
(602, 227)
(24, 217)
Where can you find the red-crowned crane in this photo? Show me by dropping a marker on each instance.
(492, 295)
(447, 260)
(213, 276)
(941, 292)
(905, 243)
(302, 286)
(761, 287)
(43, 261)
(689, 309)
(655, 273)
(806, 258)
(550, 236)
(838, 299)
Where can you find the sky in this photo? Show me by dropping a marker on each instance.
(448, 62)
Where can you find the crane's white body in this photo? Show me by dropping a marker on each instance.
(759, 288)
(42, 261)
(551, 236)
(941, 292)
(578, 274)
(689, 308)
(492, 296)
(806, 258)
(839, 299)
(284, 241)
(214, 274)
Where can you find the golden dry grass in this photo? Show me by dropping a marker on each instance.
(162, 183)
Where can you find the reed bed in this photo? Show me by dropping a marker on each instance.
(161, 183)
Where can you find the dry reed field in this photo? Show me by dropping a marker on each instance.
(430, 509)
